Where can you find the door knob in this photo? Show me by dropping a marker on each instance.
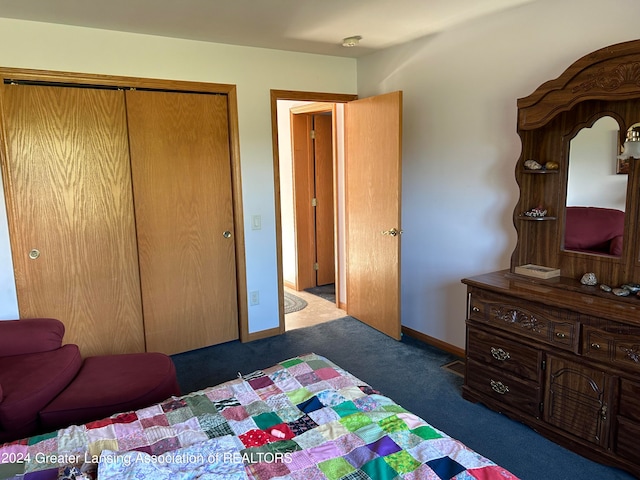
(226, 234)
(393, 232)
(33, 254)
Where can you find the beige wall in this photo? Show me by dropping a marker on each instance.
(460, 144)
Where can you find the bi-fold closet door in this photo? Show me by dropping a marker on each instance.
(121, 215)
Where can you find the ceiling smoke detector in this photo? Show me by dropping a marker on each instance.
(351, 41)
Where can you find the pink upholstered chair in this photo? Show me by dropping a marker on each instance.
(45, 385)
(594, 230)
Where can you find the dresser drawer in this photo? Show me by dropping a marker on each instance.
(504, 354)
(536, 321)
(619, 348)
(522, 395)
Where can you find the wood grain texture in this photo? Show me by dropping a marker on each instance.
(324, 212)
(575, 364)
(181, 170)
(69, 189)
(575, 398)
(373, 178)
(603, 83)
(303, 192)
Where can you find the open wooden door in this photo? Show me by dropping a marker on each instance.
(373, 179)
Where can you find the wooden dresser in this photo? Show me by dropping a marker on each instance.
(558, 355)
(562, 357)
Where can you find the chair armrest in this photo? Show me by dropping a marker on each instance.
(30, 335)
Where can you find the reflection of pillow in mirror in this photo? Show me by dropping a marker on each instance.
(615, 247)
(591, 228)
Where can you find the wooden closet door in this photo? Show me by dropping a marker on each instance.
(72, 230)
(181, 169)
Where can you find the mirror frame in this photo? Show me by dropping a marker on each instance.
(604, 82)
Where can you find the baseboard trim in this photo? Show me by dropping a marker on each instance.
(447, 347)
(272, 332)
(290, 285)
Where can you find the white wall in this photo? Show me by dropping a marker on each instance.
(289, 257)
(254, 71)
(460, 144)
(593, 181)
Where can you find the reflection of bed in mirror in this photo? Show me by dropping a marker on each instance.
(594, 230)
(596, 194)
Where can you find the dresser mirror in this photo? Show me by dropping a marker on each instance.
(596, 194)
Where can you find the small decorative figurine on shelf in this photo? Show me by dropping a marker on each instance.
(532, 165)
(589, 278)
(536, 212)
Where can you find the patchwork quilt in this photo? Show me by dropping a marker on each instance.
(302, 419)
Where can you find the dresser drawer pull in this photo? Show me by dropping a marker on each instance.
(475, 309)
(499, 387)
(500, 354)
(595, 346)
(561, 335)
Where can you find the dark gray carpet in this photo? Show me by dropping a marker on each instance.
(328, 292)
(410, 373)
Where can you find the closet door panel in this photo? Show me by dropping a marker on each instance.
(71, 214)
(181, 169)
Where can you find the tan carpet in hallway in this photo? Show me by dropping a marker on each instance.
(318, 310)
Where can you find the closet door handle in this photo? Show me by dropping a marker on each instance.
(33, 254)
(394, 232)
(226, 234)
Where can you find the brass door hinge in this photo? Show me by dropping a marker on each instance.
(314, 202)
(316, 266)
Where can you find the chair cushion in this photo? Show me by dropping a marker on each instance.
(30, 335)
(31, 381)
(593, 229)
(112, 384)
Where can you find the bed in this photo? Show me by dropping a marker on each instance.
(304, 418)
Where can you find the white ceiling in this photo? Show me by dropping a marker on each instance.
(311, 26)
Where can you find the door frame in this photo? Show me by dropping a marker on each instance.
(295, 96)
(304, 186)
(229, 90)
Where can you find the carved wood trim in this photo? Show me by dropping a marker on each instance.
(611, 73)
(609, 81)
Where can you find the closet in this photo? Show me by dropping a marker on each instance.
(122, 207)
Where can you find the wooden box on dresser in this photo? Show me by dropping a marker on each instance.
(559, 356)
